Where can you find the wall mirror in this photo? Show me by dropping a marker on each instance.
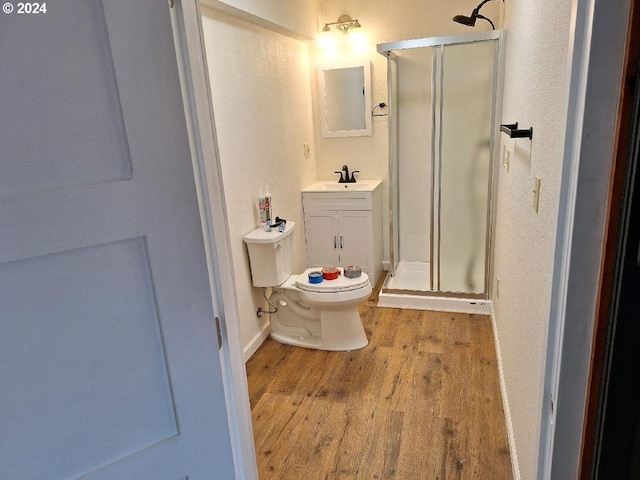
(345, 99)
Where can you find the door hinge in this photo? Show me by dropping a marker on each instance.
(171, 3)
(218, 333)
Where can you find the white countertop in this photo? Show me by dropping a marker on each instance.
(326, 186)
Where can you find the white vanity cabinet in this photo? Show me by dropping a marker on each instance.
(344, 226)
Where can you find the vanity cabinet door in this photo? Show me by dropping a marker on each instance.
(321, 229)
(344, 228)
(355, 239)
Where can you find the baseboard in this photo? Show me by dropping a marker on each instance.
(439, 304)
(255, 342)
(505, 400)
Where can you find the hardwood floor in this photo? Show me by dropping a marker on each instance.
(421, 401)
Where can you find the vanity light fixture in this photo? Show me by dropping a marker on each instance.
(344, 24)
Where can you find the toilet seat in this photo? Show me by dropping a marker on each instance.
(340, 284)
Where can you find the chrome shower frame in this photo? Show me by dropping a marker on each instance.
(438, 44)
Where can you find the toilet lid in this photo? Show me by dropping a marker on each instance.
(340, 284)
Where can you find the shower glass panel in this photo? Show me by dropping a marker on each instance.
(415, 123)
(465, 164)
(392, 82)
(442, 95)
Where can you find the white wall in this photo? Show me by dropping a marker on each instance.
(262, 103)
(535, 94)
(297, 17)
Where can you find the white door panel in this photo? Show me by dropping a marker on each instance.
(321, 229)
(355, 240)
(63, 97)
(108, 358)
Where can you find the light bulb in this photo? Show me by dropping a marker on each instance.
(326, 40)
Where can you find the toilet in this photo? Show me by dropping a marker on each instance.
(323, 315)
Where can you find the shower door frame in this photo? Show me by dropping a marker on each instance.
(438, 44)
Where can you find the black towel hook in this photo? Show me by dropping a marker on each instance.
(511, 129)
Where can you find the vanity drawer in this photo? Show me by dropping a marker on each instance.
(337, 201)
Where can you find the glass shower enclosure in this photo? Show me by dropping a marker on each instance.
(442, 146)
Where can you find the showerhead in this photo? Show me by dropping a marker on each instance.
(464, 20)
(471, 21)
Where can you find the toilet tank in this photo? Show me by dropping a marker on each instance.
(270, 255)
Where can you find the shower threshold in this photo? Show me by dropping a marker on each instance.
(410, 288)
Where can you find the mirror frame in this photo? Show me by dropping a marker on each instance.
(326, 133)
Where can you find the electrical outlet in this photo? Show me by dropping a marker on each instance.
(307, 151)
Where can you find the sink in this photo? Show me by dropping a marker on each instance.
(359, 186)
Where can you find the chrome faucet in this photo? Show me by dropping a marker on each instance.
(344, 175)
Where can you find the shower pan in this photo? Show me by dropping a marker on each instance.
(442, 149)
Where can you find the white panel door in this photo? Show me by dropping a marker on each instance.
(321, 230)
(109, 367)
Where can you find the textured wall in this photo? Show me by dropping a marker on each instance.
(298, 16)
(384, 21)
(535, 94)
(262, 105)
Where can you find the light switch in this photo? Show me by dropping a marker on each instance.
(506, 157)
(307, 151)
(536, 194)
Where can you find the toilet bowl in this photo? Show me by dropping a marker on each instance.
(322, 316)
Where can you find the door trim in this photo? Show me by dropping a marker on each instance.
(186, 21)
(595, 63)
(610, 243)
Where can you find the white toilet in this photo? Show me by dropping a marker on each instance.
(323, 315)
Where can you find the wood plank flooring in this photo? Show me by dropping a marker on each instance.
(421, 401)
